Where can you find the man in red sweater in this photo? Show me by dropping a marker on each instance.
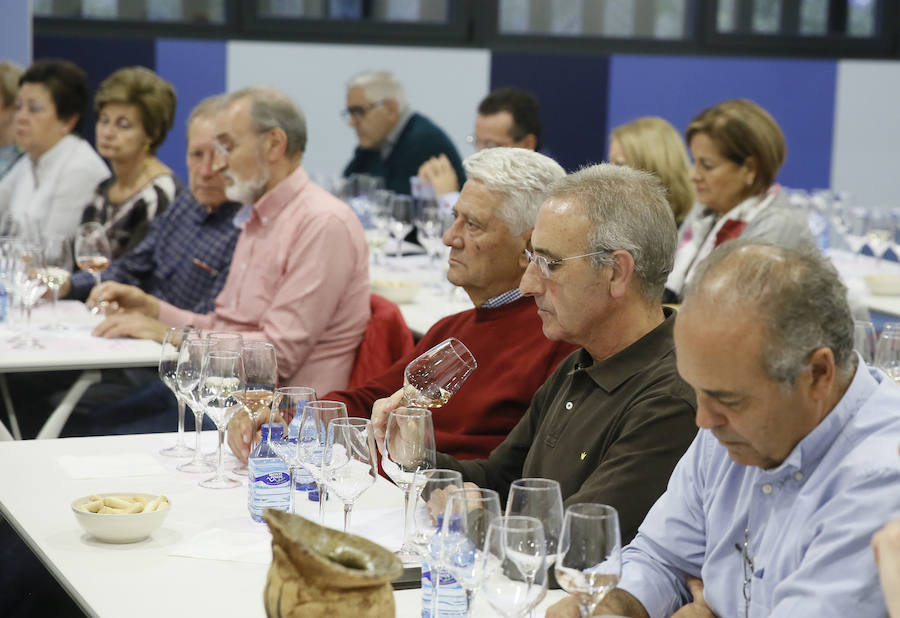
(494, 218)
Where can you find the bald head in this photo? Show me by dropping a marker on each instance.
(796, 294)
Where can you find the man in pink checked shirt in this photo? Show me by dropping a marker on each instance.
(299, 276)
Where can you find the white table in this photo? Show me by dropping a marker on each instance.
(145, 577)
(69, 349)
(852, 269)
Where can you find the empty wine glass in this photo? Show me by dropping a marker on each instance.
(431, 226)
(880, 231)
(57, 267)
(260, 367)
(191, 361)
(219, 390)
(467, 518)
(408, 448)
(515, 569)
(224, 340)
(887, 351)
(542, 499)
(427, 517)
(401, 219)
(350, 462)
(168, 369)
(311, 442)
(92, 254)
(30, 286)
(287, 405)
(433, 377)
(590, 554)
(864, 340)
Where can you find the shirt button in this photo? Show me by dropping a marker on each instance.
(265, 220)
(244, 266)
(569, 405)
(798, 476)
(767, 488)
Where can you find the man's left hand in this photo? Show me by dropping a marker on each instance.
(131, 324)
(697, 609)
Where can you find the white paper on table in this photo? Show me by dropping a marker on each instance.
(253, 546)
(382, 526)
(120, 465)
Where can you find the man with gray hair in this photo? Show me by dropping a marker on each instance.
(393, 140)
(771, 510)
(493, 221)
(299, 276)
(613, 419)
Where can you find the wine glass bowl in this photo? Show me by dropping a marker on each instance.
(192, 357)
(218, 393)
(350, 462)
(432, 378)
(311, 442)
(168, 369)
(515, 567)
(58, 265)
(92, 254)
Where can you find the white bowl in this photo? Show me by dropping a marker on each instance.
(883, 284)
(119, 527)
(399, 292)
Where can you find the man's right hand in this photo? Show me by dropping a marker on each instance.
(381, 409)
(241, 430)
(128, 297)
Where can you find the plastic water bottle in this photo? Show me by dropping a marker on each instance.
(451, 595)
(269, 483)
(4, 300)
(302, 480)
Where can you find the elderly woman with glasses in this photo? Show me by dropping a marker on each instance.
(46, 190)
(737, 148)
(135, 109)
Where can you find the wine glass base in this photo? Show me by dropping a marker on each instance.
(408, 557)
(178, 450)
(27, 343)
(240, 470)
(220, 483)
(196, 467)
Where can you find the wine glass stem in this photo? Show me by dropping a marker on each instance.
(321, 488)
(470, 602)
(198, 423)
(54, 299)
(220, 466)
(529, 581)
(406, 492)
(96, 277)
(291, 506)
(347, 507)
(180, 401)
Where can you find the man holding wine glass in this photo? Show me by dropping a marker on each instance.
(493, 221)
(614, 418)
(771, 510)
(299, 276)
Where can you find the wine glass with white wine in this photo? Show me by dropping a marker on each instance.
(431, 379)
(58, 263)
(92, 254)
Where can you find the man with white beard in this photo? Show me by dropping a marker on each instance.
(299, 276)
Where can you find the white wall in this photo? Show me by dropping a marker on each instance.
(866, 149)
(444, 84)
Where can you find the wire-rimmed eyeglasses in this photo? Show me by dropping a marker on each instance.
(544, 264)
(747, 563)
(359, 111)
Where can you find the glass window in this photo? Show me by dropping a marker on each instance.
(852, 18)
(415, 11)
(185, 11)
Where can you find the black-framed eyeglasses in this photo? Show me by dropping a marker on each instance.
(747, 563)
(359, 111)
(544, 264)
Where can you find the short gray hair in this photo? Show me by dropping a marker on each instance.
(628, 210)
(523, 176)
(272, 109)
(207, 107)
(795, 293)
(380, 86)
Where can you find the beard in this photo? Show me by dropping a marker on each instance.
(245, 191)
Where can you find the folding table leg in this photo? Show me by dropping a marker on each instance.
(53, 426)
(10, 411)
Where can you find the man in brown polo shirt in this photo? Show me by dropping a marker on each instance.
(614, 418)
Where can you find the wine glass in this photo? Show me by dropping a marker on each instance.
(433, 377)
(57, 267)
(260, 368)
(219, 395)
(226, 341)
(590, 554)
(168, 369)
(92, 254)
(29, 284)
(887, 351)
(311, 442)
(408, 448)
(542, 499)
(467, 517)
(515, 565)
(880, 231)
(191, 362)
(287, 405)
(350, 462)
(431, 225)
(864, 340)
(427, 517)
(401, 219)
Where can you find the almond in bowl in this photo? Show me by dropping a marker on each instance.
(121, 517)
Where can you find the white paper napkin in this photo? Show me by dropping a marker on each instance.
(120, 465)
(253, 546)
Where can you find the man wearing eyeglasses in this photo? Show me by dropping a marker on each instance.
(771, 510)
(614, 418)
(393, 140)
(299, 276)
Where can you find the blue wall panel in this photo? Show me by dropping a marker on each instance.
(572, 91)
(800, 94)
(15, 32)
(197, 70)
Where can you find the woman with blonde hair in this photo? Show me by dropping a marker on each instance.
(135, 109)
(737, 149)
(653, 145)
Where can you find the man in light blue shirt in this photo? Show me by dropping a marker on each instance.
(771, 510)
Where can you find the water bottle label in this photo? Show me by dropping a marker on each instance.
(273, 479)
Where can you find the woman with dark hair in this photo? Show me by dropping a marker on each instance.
(737, 148)
(135, 109)
(47, 189)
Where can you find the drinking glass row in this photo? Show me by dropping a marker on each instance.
(882, 351)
